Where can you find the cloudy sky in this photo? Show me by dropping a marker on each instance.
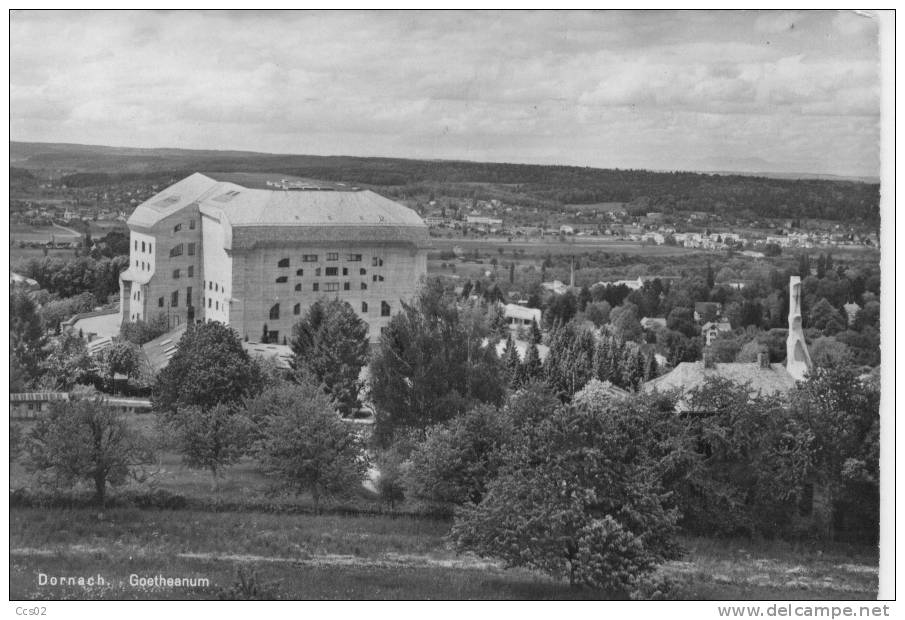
(756, 91)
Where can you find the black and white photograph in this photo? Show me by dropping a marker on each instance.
(460, 305)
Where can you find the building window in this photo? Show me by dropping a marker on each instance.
(191, 224)
(384, 309)
(299, 272)
(355, 258)
(377, 278)
(216, 287)
(283, 262)
(364, 286)
(364, 306)
(210, 285)
(376, 262)
(362, 272)
(174, 299)
(176, 251)
(298, 286)
(188, 296)
(191, 249)
(136, 245)
(332, 255)
(209, 302)
(142, 246)
(282, 279)
(216, 305)
(275, 312)
(150, 247)
(317, 272)
(175, 274)
(347, 286)
(309, 258)
(136, 263)
(160, 302)
(191, 273)
(177, 228)
(297, 309)
(332, 287)
(345, 271)
(315, 287)
(142, 265)
(332, 271)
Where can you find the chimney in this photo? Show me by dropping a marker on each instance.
(798, 360)
(708, 360)
(763, 360)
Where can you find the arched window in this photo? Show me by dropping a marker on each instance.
(297, 309)
(364, 306)
(298, 286)
(300, 272)
(364, 286)
(282, 279)
(275, 311)
(384, 309)
(284, 262)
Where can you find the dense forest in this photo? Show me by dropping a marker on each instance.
(738, 195)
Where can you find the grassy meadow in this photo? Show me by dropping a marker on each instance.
(354, 549)
(305, 556)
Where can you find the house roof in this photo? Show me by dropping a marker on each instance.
(522, 312)
(247, 201)
(772, 379)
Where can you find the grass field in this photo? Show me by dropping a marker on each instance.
(369, 557)
(24, 232)
(540, 247)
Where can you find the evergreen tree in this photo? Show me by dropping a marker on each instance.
(331, 342)
(531, 369)
(534, 335)
(511, 361)
(710, 278)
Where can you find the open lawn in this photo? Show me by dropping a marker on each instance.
(24, 232)
(367, 557)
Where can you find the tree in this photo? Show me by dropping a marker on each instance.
(139, 332)
(574, 500)
(433, 363)
(211, 438)
(85, 439)
(826, 318)
(681, 319)
(120, 357)
(562, 308)
(512, 361)
(827, 352)
(331, 342)
(67, 362)
(534, 334)
(458, 458)
(626, 322)
(570, 360)
(531, 368)
(209, 367)
(750, 461)
(843, 415)
(598, 312)
(308, 448)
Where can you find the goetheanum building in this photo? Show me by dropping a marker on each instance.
(255, 250)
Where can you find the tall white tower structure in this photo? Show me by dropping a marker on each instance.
(798, 360)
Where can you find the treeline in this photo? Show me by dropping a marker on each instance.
(661, 191)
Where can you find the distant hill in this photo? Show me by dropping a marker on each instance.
(744, 195)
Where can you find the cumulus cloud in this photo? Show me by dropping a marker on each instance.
(602, 88)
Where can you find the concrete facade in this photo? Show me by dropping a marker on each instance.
(255, 251)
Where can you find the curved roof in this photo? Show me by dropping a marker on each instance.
(246, 200)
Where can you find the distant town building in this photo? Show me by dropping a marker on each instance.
(519, 316)
(712, 329)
